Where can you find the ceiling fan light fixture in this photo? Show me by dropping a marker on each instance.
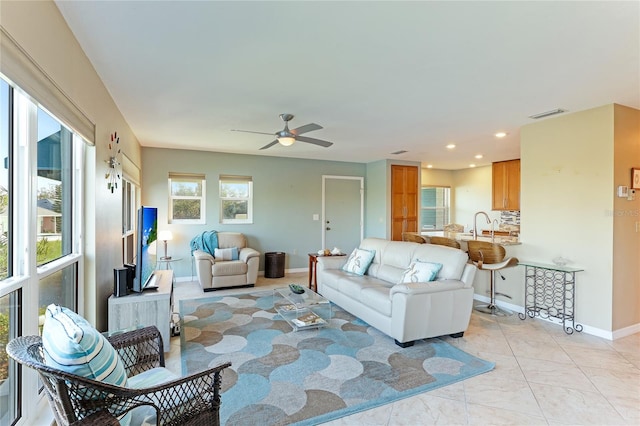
(286, 140)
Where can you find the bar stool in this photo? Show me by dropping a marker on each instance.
(491, 257)
(413, 237)
(444, 241)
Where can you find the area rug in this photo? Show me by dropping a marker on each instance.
(279, 376)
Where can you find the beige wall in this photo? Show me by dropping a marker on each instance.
(626, 220)
(38, 28)
(567, 187)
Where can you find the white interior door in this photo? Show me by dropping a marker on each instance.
(342, 212)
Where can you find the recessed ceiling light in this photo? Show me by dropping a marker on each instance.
(479, 156)
(451, 146)
(501, 134)
(472, 165)
(429, 166)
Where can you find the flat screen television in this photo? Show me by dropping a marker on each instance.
(147, 235)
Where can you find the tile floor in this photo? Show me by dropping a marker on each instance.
(542, 376)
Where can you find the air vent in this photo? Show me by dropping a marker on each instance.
(548, 113)
(402, 151)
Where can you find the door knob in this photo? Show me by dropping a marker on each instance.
(328, 229)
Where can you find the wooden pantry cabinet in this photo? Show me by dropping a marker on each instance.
(404, 200)
(506, 185)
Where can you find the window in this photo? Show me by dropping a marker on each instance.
(10, 327)
(236, 199)
(5, 181)
(129, 208)
(186, 198)
(434, 212)
(40, 223)
(54, 189)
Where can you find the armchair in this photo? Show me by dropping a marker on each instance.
(215, 272)
(74, 399)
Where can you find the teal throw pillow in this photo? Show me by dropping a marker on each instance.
(359, 261)
(71, 344)
(420, 272)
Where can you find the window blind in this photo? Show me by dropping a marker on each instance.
(24, 72)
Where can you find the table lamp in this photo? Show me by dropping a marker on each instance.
(165, 236)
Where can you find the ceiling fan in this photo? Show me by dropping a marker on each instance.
(287, 137)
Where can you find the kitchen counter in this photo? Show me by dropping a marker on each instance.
(466, 236)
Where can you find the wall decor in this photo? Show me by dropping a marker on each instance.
(635, 178)
(113, 163)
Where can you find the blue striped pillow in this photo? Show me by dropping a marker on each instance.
(71, 344)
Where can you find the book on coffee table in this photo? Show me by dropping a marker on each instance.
(308, 319)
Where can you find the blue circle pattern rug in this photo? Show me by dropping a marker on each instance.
(279, 376)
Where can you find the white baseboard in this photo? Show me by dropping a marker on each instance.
(598, 332)
(627, 331)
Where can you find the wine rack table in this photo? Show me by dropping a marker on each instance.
(550, 292)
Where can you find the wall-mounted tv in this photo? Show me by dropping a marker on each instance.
(147, 235)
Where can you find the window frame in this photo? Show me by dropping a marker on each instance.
(248, 180)
(194, 178)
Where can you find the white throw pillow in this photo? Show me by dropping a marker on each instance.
(420, 272)
(226, 254)
(359, 261)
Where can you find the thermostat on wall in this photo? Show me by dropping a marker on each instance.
(623, 191)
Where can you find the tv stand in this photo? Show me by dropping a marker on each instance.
(146, 308)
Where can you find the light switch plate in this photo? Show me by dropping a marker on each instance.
(623, 191)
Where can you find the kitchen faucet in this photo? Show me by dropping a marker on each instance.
(495, 222)
(475, 223)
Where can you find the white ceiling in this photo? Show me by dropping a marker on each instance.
(378, 76)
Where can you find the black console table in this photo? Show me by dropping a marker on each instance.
(550, 292)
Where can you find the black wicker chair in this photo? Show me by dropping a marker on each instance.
(191, 400)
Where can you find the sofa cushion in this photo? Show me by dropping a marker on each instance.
(226, 253)
(71, 344)
(420, 272)
(359, 261)
(228, 267)
(377, 298)
(232, 239)
(453, 260)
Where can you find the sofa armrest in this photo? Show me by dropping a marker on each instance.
(204, 262)
(247, 253)
(203, 256)
(331, 262)
(468, 274)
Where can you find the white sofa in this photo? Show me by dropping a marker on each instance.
(215, 274)
(406, 312)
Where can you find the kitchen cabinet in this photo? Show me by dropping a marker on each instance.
(404, 200)
(506, 185)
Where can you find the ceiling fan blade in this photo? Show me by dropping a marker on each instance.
(270, 144)
(314, 141)
(251, 131)
(306, 128)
